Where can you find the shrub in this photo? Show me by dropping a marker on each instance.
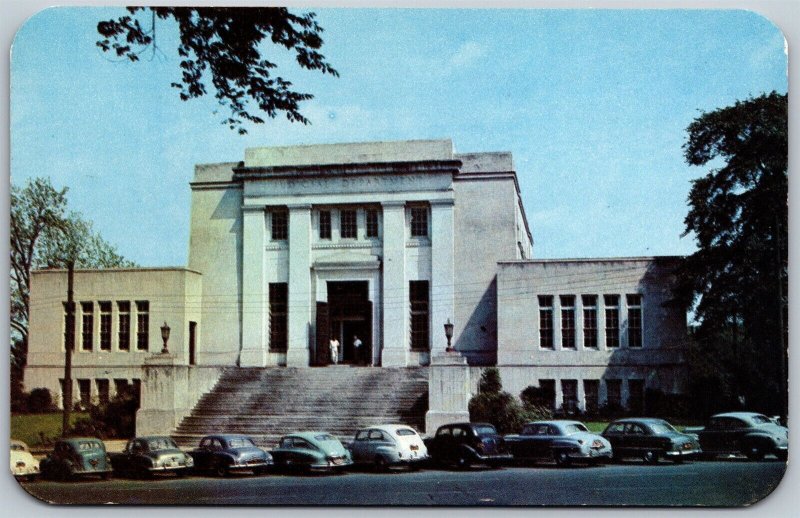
(493, 405)
(537, 403)
(116, 419)
(40, 401)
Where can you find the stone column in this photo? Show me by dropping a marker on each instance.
(448, 391)
(300, 293)
(394, 286)
(254, 305)
(164, 396)
(442, 273)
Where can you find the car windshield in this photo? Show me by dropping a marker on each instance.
(89, 445)
(405, 431)
(161, 443)
(575, 428)
(485, 430)
(661, 427)
(325, 437)
(761, 419)
(240, 442)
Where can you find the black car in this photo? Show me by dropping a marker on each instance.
(465, 444)
(147, 456)
(650, 440)
(563, 441)
(226, 453)
(748, 433)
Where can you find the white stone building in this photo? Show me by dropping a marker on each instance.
(386, 241)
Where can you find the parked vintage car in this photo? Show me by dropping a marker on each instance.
(23, 464)
(226, 453)
(147, 456)
(650, 440)
(76, 457)
(311, 450)
(562, 441)
(465, 444)
(749, 433)
(388, 445)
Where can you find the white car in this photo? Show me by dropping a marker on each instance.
(388, 445)
(23, 465)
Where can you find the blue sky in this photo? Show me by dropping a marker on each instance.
(593, 104)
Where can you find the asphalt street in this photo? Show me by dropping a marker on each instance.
(731, 482)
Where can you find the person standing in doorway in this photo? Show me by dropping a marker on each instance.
(334, 345)
(357, 350)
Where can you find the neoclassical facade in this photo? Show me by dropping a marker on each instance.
(384, 241)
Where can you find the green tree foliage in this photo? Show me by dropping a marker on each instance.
(737, 279)
(493, 405)
(226, 45)
(536, 401)
(44, 234)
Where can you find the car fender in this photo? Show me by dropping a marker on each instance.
(761, 439)
(565, 444)
(466, 449)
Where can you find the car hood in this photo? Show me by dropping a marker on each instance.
(23, 456)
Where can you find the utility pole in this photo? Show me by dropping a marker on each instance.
(68, 348)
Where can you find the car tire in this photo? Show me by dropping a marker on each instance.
(755, 452)
(562, 458)
(381, 466)
(220, 470)
(650, 457)
(462, 462)
(106, 476)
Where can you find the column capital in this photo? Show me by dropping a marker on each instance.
(254, 208)
(299, 207)
(447, 202)
(393, 204)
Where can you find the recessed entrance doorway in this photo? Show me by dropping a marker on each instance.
(347, 314)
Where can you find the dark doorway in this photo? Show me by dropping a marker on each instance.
(192, 339)
(348, 314)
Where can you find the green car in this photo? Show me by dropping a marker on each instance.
(311, 450)
(76, 457)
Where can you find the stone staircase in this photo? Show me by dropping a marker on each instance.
(266, 403)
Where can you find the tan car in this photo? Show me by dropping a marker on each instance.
(23, 465)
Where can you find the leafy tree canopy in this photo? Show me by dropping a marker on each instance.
(45, 235)
(739, 216)
(226, 44)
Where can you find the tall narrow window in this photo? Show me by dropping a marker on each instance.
(634, 320)
(567, 321)
(124, 331)
(546, 321)
(419, 221)
(569, 391)
(278, 314)
(636, 396)
(372, 223)
(348, 224)
(105, 326)
(548, 391)
(589, 321)
(84, 389)
(419, 298)
(102, 391)
(142, 325)
(614, 393)
(612, 320)
(280, 225)
(87, 325)
(324, 224)
(591, 393)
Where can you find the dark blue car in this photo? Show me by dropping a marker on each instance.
(226, 453)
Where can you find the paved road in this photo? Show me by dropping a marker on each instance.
(722, 483)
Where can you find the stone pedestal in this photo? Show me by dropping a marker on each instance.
(448, 391)
(164, 396)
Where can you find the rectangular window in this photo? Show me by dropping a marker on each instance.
(589, 321)
(546, 321)
(569, 391)
(142, 325)
(372, 223)
(636, 396)
(84, 388)
(324, 224)
(567, 321)
(121, 387)
(105, 326)
(612, 320)
(102, 391)
(419, 299)
(419, 221)
(548, 390)
(614, 393)
(280, 225)
(124, 331)
(591, 393)
(348, 224)
(278, 315)
(87, 325)
(634, 320)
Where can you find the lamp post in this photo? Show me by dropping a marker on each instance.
(165, 337)
(448, 332)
